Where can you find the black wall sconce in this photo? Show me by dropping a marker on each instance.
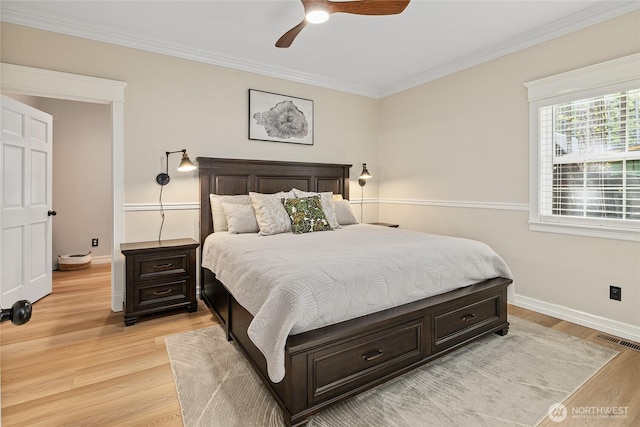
(185, 165)
(362, 180)
(364, 176)
(163, 179)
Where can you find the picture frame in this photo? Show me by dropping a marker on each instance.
(280, 118)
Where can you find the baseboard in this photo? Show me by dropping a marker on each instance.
(620, 329)
(103, 259)
(117, 303)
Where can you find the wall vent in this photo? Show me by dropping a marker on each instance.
(618, 341)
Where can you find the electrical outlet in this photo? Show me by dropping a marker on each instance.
(94, 242)
(615, 292)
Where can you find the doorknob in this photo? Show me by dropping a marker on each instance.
(52, 213)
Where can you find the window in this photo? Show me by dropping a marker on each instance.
(585, 151)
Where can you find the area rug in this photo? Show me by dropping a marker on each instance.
(496, 381)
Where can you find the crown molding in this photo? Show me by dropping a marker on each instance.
(18, 16)
(590, 16)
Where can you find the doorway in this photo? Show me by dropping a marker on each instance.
(81, 177)
(17, 79)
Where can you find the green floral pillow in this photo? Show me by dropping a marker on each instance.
(306, 214)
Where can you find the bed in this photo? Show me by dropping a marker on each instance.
(324, 365)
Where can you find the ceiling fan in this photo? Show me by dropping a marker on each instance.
(318, 11)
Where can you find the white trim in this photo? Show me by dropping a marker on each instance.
(117, 165)
(144, 207)
(610, 76)
(605, 74)
(520, 207)
(459, 204)
(16, 15)
(191, 206)
(590, 16)
(53, 84)
(620, 329)
(102, 259)
(586, 230)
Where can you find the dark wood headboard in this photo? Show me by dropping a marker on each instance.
(235, 176)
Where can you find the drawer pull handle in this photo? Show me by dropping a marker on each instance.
(159, 293)
(162, 265)
(468, 317)
(372, 356)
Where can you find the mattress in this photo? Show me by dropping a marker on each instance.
(293, 283)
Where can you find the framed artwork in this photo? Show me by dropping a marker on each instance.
(280, 118)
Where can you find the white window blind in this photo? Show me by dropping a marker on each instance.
(592, 152)
(584, 140)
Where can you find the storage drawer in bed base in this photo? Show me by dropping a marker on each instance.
(327, 365)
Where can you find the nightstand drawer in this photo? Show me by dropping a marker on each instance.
(161, 294)
(152, 266)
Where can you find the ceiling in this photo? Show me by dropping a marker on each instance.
(373, 56)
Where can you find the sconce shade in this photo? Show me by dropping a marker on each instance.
(362, 180)
(186, 164)
(365, 173)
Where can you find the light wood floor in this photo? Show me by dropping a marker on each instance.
(76, 364)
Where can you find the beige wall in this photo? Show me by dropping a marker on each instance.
(82, 193)
(465, 138)
(172, 103)
(462, 138)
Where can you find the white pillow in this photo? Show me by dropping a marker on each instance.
(217, 214)
(240, 218)
(326, 198)
(344, 214)
(271, 215)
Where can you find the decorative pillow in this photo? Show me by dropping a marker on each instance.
(218, 215)
(326, 198)
(337, 197)
(306, 214)
(271, 215)
(240, 218)
(344, 214)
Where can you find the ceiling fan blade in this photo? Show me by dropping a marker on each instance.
(288, 37)
(359, 7)
(367, 7)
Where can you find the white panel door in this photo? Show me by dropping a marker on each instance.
(25, 203)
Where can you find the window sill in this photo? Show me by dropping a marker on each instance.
(602, 232)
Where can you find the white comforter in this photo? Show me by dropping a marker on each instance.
(292, 283)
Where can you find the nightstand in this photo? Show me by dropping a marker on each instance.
(160, 276)
(385, 224)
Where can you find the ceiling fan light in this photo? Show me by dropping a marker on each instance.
(317, 16)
